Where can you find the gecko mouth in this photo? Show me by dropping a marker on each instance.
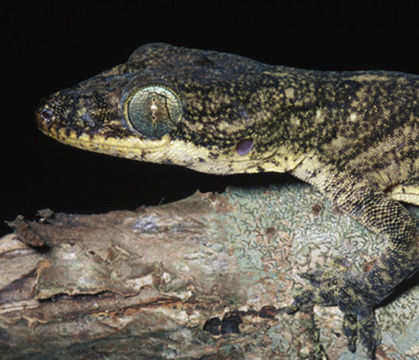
(123, 143)
(122, 147)
(88, 131)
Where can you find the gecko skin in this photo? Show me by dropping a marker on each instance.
(352, 135)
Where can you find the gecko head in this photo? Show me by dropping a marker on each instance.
(166, 104)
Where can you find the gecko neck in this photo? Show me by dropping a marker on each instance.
(291, 110)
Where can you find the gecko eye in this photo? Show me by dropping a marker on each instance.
(154, 111)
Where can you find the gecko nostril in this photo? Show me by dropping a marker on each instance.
(46, 114)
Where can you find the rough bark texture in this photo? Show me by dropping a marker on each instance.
(202, 278)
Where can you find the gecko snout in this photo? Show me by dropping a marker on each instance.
(67, 109)
(44, 114)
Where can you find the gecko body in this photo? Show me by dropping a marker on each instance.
(352, 135)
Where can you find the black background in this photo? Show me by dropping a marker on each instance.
(49, 45)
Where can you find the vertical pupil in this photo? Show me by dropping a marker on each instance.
(153, 111)
(153, 108)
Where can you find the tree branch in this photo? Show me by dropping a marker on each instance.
(205, 277)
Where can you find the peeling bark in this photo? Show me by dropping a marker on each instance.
(202, 278)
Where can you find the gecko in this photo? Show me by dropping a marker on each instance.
(353, 135)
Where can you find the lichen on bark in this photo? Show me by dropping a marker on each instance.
(204, 277)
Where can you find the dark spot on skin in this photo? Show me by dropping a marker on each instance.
(88, 121)
(204, 61)
(245, 146)
(213, 155)
(314, 173)
(201, 160)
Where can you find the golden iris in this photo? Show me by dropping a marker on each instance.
(154, 110)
